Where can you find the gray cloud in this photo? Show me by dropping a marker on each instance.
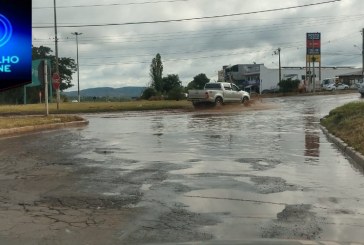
(118, 56)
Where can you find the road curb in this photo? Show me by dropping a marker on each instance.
(345, 148)
(35, 128)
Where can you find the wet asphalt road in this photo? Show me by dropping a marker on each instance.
(221, 175)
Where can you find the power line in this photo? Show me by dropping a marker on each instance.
(195, 35)
(111, 4)
(195, 18)
(241, 19)
(207, 33)
(180, 59)
(213, 32)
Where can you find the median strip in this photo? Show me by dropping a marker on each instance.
(19, 125)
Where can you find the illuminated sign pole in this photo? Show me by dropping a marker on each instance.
(313, 54)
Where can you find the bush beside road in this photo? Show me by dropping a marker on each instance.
(347, 123)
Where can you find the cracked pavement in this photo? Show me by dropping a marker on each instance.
(169, 177)
(44, 203)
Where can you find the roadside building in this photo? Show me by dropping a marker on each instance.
(258, 77)
(352, 79)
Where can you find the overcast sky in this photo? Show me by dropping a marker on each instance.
(120, 55)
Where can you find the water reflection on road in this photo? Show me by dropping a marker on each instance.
(267, 173)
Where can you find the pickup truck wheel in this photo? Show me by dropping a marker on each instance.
(245, 99)
(218, 102)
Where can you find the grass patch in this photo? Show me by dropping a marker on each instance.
(21, 121)
(14, 115)
(347, 123)
(94, 107)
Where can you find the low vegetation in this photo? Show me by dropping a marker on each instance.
(347, 123)
(93, 107)
(21, 121)
(12, 116)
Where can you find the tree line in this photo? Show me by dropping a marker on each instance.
(159, 87)
(170, 86)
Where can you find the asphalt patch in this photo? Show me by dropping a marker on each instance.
(259, 163)
(176, 225)
(294, 222)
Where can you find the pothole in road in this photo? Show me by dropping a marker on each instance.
(267, 185)
(259, 163)
(294, 222)
(176, 225)
(88, 202)
(259, 184)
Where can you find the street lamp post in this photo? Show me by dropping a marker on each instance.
(56, 47)
(78, 66)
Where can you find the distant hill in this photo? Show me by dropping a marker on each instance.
(124, 92)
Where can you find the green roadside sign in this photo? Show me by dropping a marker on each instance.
(37, 72)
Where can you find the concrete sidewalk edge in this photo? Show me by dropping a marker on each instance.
(43, 127)
(345, 148)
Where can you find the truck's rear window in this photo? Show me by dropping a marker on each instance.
(213, 86)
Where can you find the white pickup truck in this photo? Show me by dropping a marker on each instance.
(361, 88)
(218, 94)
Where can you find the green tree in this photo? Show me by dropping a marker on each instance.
(66, 66)
(170, 82)
(156, 73)
(172, 87)
(175, 93)
(198, 82)
(148, 93)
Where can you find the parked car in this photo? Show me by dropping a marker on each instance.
(330, 87)
(333, 86)
(271, 90)
(361, 89)
(341, 86)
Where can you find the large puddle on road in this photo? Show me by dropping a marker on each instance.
(265, 173)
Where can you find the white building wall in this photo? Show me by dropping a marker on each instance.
(269, 77)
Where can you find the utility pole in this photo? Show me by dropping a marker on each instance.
(279, 61)
(78, 66)
(313, 79)
(362, 56)
(278, 51)
(56, 48)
